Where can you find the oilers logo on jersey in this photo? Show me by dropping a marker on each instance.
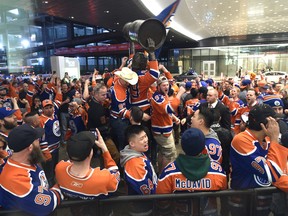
(56, 128)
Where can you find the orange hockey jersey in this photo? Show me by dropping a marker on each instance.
(96, 184)
(139, 92)
(173, 180)
(161, 114)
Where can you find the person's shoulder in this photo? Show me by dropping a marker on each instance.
(136, 161)
(17, 180)
(170, 169)
(135, 168)
(43, 119)
(243, 143)
(62, 165)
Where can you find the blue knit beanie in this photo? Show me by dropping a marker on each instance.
(273, 101)
(193, 141)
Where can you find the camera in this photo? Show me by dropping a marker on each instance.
(93, 131)
(95, 147)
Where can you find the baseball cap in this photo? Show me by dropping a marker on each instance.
(245, 83)
(5, 112)
(188, 85)
(193, 141)
(161, 80)
(79, 146)
(209, 82)
(203, 83)
(23, 136)
(47, 102)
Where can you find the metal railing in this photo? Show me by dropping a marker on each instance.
(120, 205)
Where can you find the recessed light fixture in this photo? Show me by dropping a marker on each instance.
(107, 11)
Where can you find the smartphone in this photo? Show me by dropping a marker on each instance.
(93, 131)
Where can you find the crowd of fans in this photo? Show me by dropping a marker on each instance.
(233, 134)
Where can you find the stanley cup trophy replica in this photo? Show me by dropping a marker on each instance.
(140, 30)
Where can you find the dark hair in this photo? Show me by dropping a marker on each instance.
(27, 118)
(203, 90)
(33, 99)
(258, 115)
(22, 94)
(133, 130)
(207, 115)
(194, 92)
(171, 91)
(30, 114)
(136, 114)
(139, 61)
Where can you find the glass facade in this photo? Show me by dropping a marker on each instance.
(229, 59)
(27, 39)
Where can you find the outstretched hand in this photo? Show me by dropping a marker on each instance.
(151, 45)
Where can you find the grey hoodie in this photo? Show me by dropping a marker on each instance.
(127, 153)
(212, 134)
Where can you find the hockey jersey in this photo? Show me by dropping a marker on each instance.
(51, 139)
(263, 163)
(78, 120)
(25, 187)
(139, 92)
(139, 173)
(96, 184)
(120, 101)
(161, 114)
(48, 93)
(213, 146)
(172, 180)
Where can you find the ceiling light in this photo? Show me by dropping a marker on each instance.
(107, 11)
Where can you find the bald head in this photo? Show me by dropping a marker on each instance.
(212, 95)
